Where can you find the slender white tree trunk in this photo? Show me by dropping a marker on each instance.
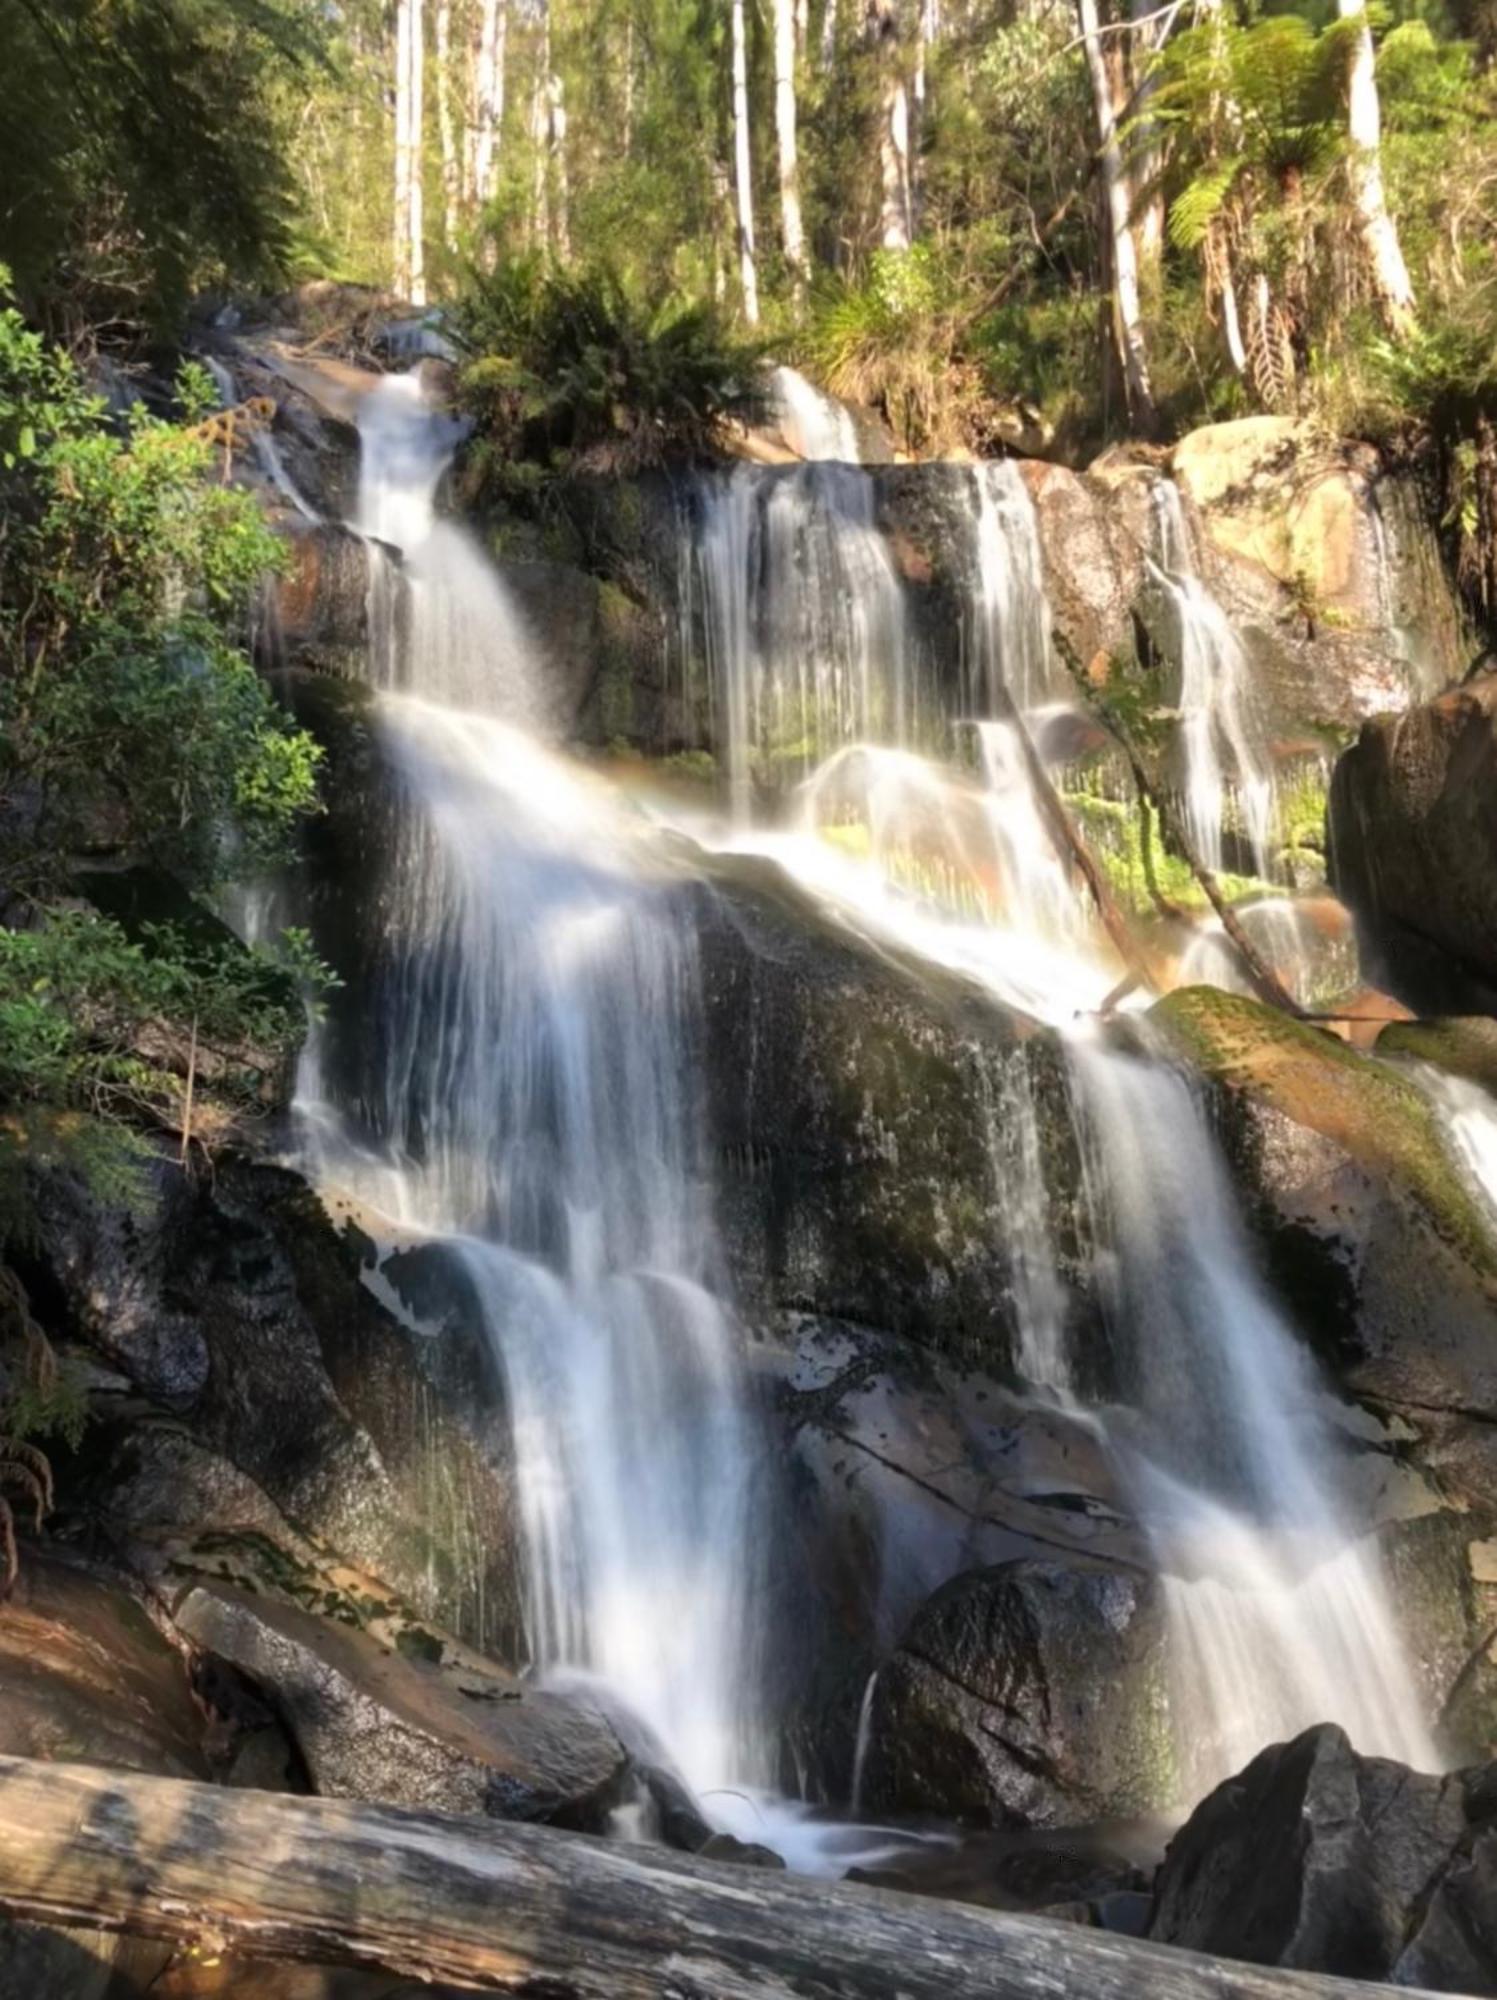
(802, 26)
(1390, 274)
(1145, 199)
(451, 172)
(418, 155)
(1126, 305)
(792, 231)
(829, 34)
(401, 232)
(488, 101)
(896, 230)
(743, 170)
(561, 186)
(540, 132)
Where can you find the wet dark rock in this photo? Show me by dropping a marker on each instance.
(851, 1097)
(316, 613)
(900, 1471)
(743, 1853)
(1413, 822)
(373, 1724)
(235, 1301)
(605, 657)
(990, 1709)
(1318, 1858)
(1101, 1874)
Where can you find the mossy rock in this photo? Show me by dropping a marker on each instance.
(1379, 1117)
(1460, 1044)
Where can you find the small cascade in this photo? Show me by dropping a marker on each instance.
(1010, 613)
(817, 427)
(864, 1741)
(1279, 1617)
(1040, 1296)
(1469, 1115)
(804, 623)
(523, 1093)
(1227, 771)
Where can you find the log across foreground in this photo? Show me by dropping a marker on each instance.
(524, 1909)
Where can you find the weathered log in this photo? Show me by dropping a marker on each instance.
(522, 1909)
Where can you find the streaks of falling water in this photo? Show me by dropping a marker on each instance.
(1010, 615)
(1225, 760)
(1279, 1616)
(805, 627)
(1278, 1613)
(525, 1094)
(816, 426)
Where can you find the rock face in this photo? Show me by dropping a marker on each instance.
(1318, 1858)
(1378, 1246)
(901, 1471)
(374, 1725)
(235, 1306)
(990, 1707)
(1413, 823)
(852, 1098)
(1325, 565)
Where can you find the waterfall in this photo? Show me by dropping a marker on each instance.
(1010, 613)
(526, 1096)
(1225, 760)
(804, 623)
(816, 426)
(1469, 1115)
(1226, 1437)
(1279, 1617)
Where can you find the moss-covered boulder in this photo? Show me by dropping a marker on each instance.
(1413, 826)
(1382, 1251)
(1460, 1045)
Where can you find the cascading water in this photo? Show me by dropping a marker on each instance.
(814, 425)
(1224, 760)
(805, 628)
(1010, 613)
(1278, 1614)
(1279, 1617)
(526, 1096)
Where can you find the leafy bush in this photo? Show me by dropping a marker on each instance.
(572, 362)
(133, 729)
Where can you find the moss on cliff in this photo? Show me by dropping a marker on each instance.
(1378, 1116)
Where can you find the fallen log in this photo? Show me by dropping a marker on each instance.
(506, 1908)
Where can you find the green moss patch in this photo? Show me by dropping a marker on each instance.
(1378, 1116)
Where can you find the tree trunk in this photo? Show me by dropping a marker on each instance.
(401, 232)
(1127, 310)
(743, 170)
(504, 1908)
(451, 173)
(829, 34)
(896, 230)
(416, 136)
(488, 101)
(1390, 274)
(540, 221)
(561, 185)
(792, 232)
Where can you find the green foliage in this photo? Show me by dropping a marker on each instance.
(574, 363)
(134, 729)
(132, 722)
(142, 157)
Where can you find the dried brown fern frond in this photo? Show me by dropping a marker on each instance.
(24, 1470)
(29, 1385)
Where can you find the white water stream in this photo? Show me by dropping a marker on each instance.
(529, 1098)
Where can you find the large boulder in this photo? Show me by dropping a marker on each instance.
(856, 1102)
(1378, 1244)
(235, 1305)
(1413, 826)
(1030, 1694)
(374, 1724)
(1318, 1858)
(901, 1471)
